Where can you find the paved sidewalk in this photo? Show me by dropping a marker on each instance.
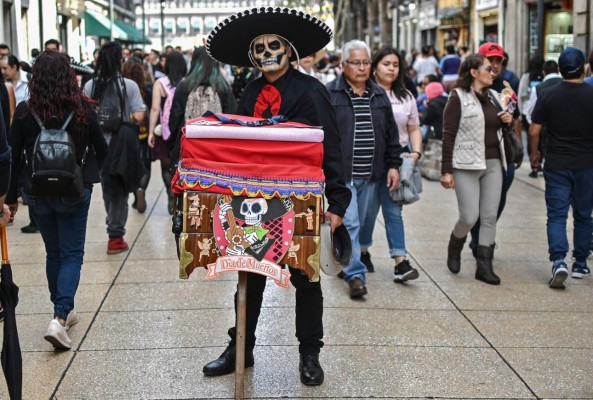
(145, 334)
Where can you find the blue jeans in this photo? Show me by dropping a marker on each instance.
(392, 215)
(62, 222)
(565, 188)
(362, 190)
(507, 180)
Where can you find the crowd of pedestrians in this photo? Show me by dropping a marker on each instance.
(129, 108)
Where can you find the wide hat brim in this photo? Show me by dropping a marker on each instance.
(229, 41)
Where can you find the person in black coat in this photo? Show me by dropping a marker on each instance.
(55, 95)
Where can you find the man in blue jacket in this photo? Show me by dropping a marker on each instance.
(370, 145)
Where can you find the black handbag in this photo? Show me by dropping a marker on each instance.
(513, 148)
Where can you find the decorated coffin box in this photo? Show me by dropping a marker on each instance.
(251, 191)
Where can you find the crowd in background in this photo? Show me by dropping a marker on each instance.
(425, 97)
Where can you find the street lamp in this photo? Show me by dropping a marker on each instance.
(163, 23)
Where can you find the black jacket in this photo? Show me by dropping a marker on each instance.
(123, 168)
(304, 99)
(433, 116)
(387, 148)
(24, 130)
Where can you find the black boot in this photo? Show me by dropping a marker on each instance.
(225, 364)
(454, 253)
(311, 371)
(484, 271)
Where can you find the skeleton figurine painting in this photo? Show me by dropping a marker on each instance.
(292, 252)
(255, 235)
(309, 217)
(195, 211)
(205, 246)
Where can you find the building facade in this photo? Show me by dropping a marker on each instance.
(470, 23)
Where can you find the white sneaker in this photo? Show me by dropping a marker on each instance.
(71, 320)
(57, 336)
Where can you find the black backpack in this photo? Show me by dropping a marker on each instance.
(53, 166)
(111, 106)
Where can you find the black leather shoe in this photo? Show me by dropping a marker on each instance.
(225, 364)
(30, 229)
(311, 371)
(357, 288)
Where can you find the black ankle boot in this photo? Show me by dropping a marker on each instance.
(484, 271)
(311, 371)
(225, 364)
(454, 253)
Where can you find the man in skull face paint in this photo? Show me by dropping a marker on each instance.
(282, 90)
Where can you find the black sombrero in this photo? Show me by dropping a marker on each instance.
(229, 42)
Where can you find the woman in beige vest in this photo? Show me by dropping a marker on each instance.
(473, 161)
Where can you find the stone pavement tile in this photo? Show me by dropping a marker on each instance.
(554, 373)
(166, 270)
(35, 299)
(478, 296)
(93, 272)
(376, 327)
(351, 372)
(142, 330)
(181, 295)
(32, 328)
(185, 328)
(41, 372)
(523, 272)
(534, 329)
(154, 250)
(417, 295)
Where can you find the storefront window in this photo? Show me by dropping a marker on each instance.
(558, 33)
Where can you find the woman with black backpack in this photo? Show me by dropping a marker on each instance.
(56, 106)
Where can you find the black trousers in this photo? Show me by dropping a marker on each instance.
(308, 310)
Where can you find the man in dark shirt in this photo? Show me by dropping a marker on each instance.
(247, 38)
(567, 111)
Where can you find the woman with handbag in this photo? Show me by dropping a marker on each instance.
(388, 72)
(473, 161)
(55, 97)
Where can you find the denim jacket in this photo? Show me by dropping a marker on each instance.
(387, 148)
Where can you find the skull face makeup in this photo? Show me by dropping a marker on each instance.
(270, 53)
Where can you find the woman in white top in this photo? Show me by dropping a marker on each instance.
(388, 72)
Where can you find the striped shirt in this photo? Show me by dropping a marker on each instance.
(364, 139)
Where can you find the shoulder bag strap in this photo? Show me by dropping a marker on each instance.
(68, 120)
(37, 119)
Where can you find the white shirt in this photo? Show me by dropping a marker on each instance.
(530, 104)
(21, 89)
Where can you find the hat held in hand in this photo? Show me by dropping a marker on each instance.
(336, 249)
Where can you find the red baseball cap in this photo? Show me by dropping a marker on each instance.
(491, 49)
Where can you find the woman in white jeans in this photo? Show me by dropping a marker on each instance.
(473, 161)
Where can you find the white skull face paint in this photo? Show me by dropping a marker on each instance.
(253, 210)
(270, 53)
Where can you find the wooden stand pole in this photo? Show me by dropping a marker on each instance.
(240, 339)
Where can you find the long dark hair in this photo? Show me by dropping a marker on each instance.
(54, 90)
(206, 71)
(175, 67)
(536, 64)
(398, 86)
(474, 61)
(108, 67)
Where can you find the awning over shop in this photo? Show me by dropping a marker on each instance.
(99, 25)
(134, 35)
